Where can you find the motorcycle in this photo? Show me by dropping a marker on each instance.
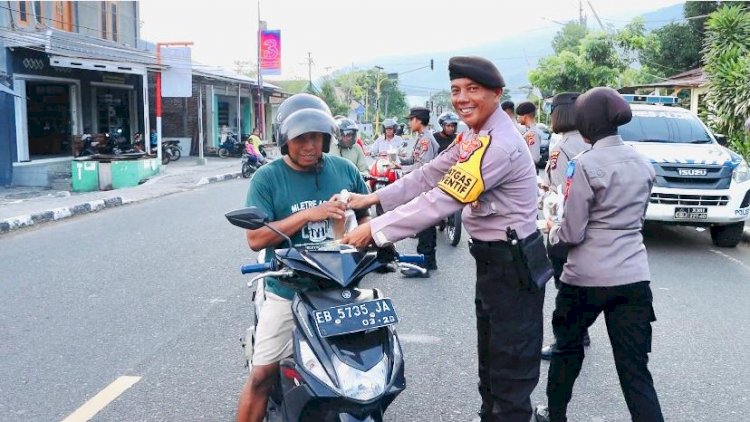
(384, 171)
(173, 147)
(166, 155)
(347, 363)
(231, 146)
(250, 163)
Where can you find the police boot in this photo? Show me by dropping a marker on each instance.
(541, 413)
(548, 350)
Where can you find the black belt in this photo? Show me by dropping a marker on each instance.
(490, 243)
(493, 251)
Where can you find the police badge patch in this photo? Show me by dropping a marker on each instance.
(553, 160)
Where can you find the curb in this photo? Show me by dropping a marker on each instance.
(15, 223)
(219, 178)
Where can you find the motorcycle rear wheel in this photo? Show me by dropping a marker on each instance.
(174, 153)
(247, 170)
(453, 229)
(165, 158)
(223, 152)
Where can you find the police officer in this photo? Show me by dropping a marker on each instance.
(425, 149)
(448, 121)
(488, 168)
(563, 122)
(526, 112)
(607, 191)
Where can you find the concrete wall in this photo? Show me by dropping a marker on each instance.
(90, 18)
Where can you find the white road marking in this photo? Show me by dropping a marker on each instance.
(101, 400)
(217, 300)
(418, 338)
(731, 258)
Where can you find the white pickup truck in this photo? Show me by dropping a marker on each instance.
(698, 181)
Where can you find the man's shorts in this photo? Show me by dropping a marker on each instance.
(273, 334)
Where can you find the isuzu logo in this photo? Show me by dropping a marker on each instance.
(692, 172)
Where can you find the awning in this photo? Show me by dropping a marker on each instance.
(73, 45)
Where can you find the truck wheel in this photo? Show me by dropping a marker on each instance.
(727, 236)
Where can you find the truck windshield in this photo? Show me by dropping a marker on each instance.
(664, 127)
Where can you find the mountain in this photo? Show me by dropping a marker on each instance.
(513, 60)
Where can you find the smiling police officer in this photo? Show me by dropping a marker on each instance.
(488, 168)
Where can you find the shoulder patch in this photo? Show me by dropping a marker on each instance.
(569, 178)
(553, 160)
(467, 147)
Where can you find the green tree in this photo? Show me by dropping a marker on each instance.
(727, 67)
(330, 96)
(245, 67)
(569, 37)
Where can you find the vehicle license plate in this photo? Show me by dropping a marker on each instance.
(691, 213)
(354, 317)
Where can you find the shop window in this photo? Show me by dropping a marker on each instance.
(23, 13)
(38, 12)
(109, 24)
(223, 115)
(113, 110)
(48, 118)
(64, 15)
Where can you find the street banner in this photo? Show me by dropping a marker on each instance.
(177, 77)
(270, 52)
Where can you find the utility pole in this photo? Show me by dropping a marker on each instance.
(581, 18)
(309, 70)
(596, 15)
(261, 109)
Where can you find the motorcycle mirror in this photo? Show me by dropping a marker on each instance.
(253, 218)
(248, 218)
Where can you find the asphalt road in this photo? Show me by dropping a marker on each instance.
(152, 290)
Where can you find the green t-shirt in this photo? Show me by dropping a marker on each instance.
(281, 191)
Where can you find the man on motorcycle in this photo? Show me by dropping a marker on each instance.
(449, 122)
(346, 146)
(387, 141)
(295, 193)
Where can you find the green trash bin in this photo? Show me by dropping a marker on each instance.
(85, 176)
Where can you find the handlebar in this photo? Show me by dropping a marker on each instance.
(257, 268)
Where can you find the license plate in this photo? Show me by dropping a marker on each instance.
(691, 213)
(380, 185)
(354, 317)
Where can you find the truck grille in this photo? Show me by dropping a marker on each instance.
(716, 177)
(689, 200)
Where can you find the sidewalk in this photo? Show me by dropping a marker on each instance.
(27, 206)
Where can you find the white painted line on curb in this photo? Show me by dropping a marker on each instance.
(731, 258)
(101, 400)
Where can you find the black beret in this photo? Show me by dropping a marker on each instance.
(421, 113)
(525, 107)
(478, 69)
(599, 111)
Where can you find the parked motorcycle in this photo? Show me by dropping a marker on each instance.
(166, 155)
(173, 147)
(452, 228)
(348, 363)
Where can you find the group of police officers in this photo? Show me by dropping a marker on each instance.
(596, 245)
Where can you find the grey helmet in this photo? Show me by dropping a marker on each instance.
(347, 126)
(287, 128)
(448, 118)
(305, 121)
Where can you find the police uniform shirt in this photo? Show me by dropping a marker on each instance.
(560, 154)
(532, 136)
(507, 199)
(606, 194)
(425, 149)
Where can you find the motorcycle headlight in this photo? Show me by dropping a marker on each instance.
(362, 385)
(741, 173)
(313, 365)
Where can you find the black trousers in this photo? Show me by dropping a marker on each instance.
(509, 335)
(628, 312)
(427, 241)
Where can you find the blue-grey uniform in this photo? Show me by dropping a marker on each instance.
(570, 145)
(425, 150)
(607, 190)
(532, 136)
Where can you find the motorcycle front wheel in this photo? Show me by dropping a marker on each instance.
(453, 228)
(223, 152)
(165, 158)
(175, 153)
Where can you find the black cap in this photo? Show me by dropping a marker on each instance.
(525, 108)
(422, 113)
(599, 111)
(478, 69)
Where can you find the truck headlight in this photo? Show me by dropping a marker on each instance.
(741, 173)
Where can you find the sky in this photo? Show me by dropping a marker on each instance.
(341, 33)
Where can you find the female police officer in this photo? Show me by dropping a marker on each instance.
(489, 167)
(607, 191)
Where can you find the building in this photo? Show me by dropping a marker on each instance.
(692, 84)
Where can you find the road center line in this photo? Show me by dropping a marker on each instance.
(731, 258)
(102, 399)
